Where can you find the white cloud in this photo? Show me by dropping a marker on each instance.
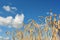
(4, 38)
(10, 21)
(7, 38)
(1, 37)
(18, 20)
(5, 21)
(9, 8)
(50, 13)
(14, 8)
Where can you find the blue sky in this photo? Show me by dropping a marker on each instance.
(35, 8)
(30, 8)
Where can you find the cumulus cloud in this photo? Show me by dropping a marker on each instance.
(18, 20)
(5, 21)
(9, 8)
(10, 21)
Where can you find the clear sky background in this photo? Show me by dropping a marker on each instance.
(30, 9)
